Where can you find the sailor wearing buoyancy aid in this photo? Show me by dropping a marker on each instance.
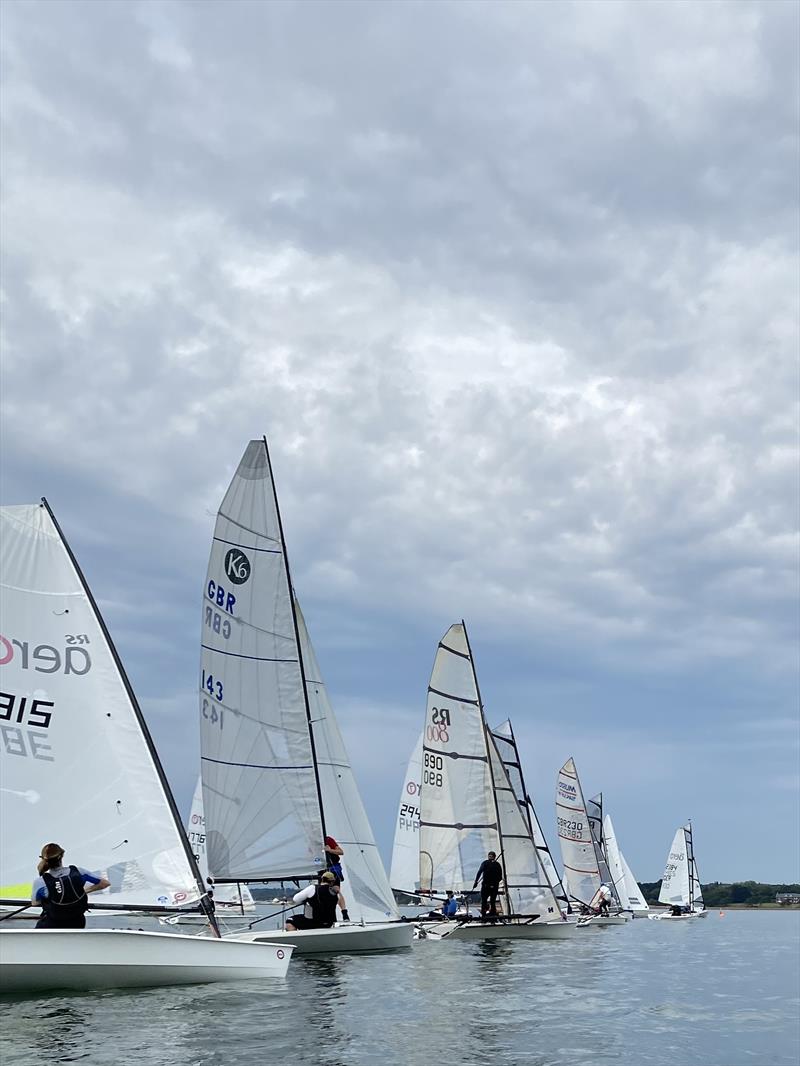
(62, 890)
(320, 903)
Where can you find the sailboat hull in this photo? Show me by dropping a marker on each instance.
(339, 940)
(677, 917)
(86, 959)
(500, 930)
(599, 920)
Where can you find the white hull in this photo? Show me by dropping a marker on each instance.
(677, 917)
(601, 920)
(499, 930)
(84, 959)
(340, 940)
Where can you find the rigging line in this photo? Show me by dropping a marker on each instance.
(454, 755)
(248, 547)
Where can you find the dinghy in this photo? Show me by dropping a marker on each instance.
(585, 868)
(276, 776)
(680, 884)
(79, 768)
(468, 807)
(625, 884)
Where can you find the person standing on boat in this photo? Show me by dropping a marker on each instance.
(320, 903)
(333, 854)
(604, 898)
(490, 874)
(62, 890)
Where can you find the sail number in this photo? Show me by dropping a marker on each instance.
(212, 687)
(572, 830)
(433, 766)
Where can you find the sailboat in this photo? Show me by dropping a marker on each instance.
(468, 807)
(585, 868)
(404, 873)
(625, 884)
(79, 767)
(507, 747)
(680, 884)
(276, 776)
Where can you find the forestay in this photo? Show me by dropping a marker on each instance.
(625, 886)
(260, 789)
(507, 746)
(366, 889)
(404, 876)
(227, 896)
(458, 820)
(77, 763)
(581, 872)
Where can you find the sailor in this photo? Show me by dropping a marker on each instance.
(604, 897)
(333, 854)
(62, 890)
(490, 874)
(450, 905)
(320, 903)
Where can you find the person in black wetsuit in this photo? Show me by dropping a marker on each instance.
(320, 903)
(62, 890)
(490, 874)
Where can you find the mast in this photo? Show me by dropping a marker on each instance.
(190, 857)
(297, 641)
(486, 742)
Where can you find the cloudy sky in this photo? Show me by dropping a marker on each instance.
(512, 288)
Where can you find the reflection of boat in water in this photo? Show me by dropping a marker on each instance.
(82, 725)
(468, 807)
(276, 775)
(680, 885)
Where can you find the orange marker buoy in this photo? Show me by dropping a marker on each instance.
(722, 914)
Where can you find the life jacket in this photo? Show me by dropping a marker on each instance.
(66, 897)
(323, 905)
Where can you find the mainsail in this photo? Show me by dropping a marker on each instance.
(260, 782)
(625, 885)
(226, 896)
(468, 803)
(594, 812)
(369, 897)
(78, 765)
(276, 776)
(680, 884)
(578, 852)
(507, 746)
(404, 876)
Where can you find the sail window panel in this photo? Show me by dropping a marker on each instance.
(66, 687)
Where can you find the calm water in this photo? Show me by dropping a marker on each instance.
(718, 992)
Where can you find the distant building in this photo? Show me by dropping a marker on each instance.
(786, 899)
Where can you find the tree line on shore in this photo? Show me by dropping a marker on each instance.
(719, 894)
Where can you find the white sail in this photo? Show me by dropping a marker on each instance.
(225, 896)
(366, 889)
(633, 894)
(507, 746)
(578, 854)
(526, 889)
(675, 879)
(78, 767)
(260, 788)
(458, 819)
(594, 812)
(404, 876)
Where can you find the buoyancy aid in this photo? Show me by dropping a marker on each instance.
(323, 905)
(66, 897)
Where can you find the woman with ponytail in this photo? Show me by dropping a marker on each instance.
(62, 890)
